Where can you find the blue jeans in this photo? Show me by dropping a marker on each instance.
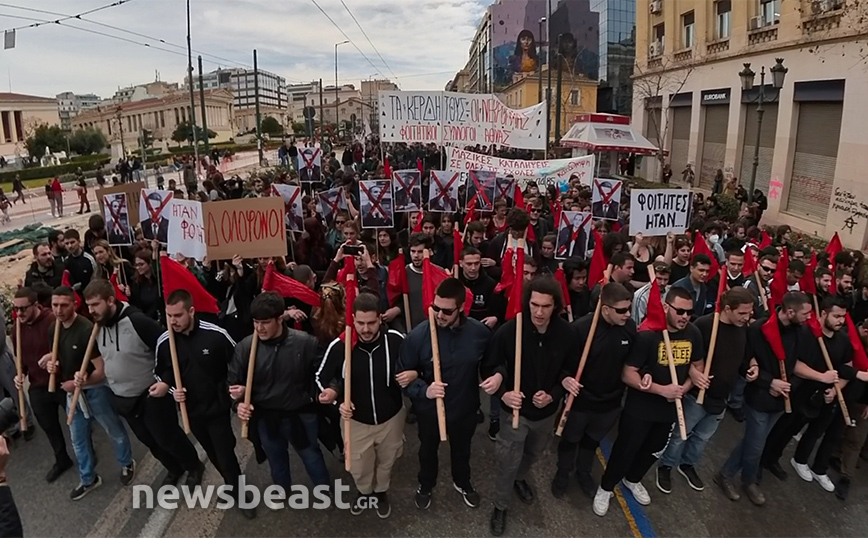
(700, 426)
(736, 396)
(99, 406)
(746, 454)
(276, 447)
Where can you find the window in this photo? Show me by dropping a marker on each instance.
(770, 11)
(688, 30)
(723, 10)
(575, 97)
(660, 37)
(162, 120)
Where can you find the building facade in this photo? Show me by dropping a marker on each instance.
(140, 92)
(70, 104)
(617, 54)
(341, 103)
(19, 116)
(242, 83)
(370, 97)
(296, 96)
(687, 97)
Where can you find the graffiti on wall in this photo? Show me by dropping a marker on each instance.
(847, 203)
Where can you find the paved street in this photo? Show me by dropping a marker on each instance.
(795, 508)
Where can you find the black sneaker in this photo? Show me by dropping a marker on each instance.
(423, 498)
(56, 470)
(664, 478)
(493, 429)
(776, 469)
(29, 433)
(471, 498)
(737, 413)
(688, 472)
(586, 483)
(842, 489)
(171, 479)
(498, 522)
(480, 416)
(83, 490)
(559, 486)
(835, 464)
(523, 490)
(359, 504)
(194, 476)
(384, 509)
(128, 473)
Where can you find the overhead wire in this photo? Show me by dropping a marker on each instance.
(65, 17)
(369, 40)
(341, 30)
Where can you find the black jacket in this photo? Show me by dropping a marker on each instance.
(601, 378)
(52, 277)
(497, 251)
(485, 302)
(81, 269)
(203, 358)
(796, 341)
(375, 393)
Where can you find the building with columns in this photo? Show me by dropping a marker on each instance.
(19, 115)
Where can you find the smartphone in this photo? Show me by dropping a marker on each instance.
(351, 250)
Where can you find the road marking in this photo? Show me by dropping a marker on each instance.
(639, 523)
(120, 509)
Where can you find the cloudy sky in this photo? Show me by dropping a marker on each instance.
(423, 42)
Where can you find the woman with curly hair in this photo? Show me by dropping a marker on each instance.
(329, 319)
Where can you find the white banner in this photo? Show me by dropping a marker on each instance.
(186, 230)
(659, 211)
(464, 119)
(544, 172)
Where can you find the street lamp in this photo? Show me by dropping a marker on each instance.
(539, 61)
(337, 119)
(747, 75)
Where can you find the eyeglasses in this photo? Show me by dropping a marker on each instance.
(534, 210)
(445, 311)
(620, 311)
(681, 311)
(768, 269)
(340, 222)
(22, 308)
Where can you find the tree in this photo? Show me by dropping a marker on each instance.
(43, 137)
(87, 141)
(146, 139)
(183, 133)
(271, 126)
(298, 128)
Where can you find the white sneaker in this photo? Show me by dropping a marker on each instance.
(824, 481)
(601, 501)
(802, 470)
(638, 491)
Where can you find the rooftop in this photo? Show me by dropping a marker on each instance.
(6, 96)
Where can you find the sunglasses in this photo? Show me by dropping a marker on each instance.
(681, 311)
(21, 308)
(445, 311)
(620, 311)
(768, 269)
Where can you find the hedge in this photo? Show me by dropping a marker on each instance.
(40, 172)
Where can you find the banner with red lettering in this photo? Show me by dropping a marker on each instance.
(248, 227)
(460, 119)
(545, 172)
(186, 231)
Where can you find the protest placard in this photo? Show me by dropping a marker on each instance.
(443, 191)
(153, 209)
(375, 204)
(330, 202)
(544, 172)
(291, 195)
(407, 185)
(505, 189)
(574, 230)
(606, 199)
(480, 187)
(248, 227)
(131, 189)
(186, 229)
(117, 219)
(309, 164)
(659, 211)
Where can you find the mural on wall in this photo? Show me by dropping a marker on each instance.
(518, 50)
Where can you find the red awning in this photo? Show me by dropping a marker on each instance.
(597, 137)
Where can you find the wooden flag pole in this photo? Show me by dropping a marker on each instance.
(19, 371)
(348, 372)
(761, 291)
(844, 411)
(816, 305)
(711, 345)
(88, 354)
(248, 389)
(179, 385)
(788, 407)
(584, 358)
(679, 407)
(435, 351)
(55, 345)
(519, 273)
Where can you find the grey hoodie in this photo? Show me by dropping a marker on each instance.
(126, 343)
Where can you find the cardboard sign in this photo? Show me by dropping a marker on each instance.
(606, 199)
(186, 229)
(481, 185)
(330, 202)
(574, 230)
(375, 203)
(408, 190)
(505, 189)
(659, 211)
(309, 162)
(248, 227)
(131, 189)
(153, 211)
(544, 172)
(117, 219)
(443, 191)
(291, 195)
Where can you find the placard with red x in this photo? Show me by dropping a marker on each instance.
(606, 200)
(310, 164)
(330, 202)
(116, 213)
(569, 233)
(376, 203)
(407, 185)
(291, 205)
(481, 187)
(505, 188)
(443, 194)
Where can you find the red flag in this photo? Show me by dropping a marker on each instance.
(772, 333)
(555, 207)
(531, 235)
(655, 317)
(457, 244)
(562, 280)
(749, 262)
(599, 263)
(471, 213)
(418, 227)
(807, 284)
(65, 280)
(507, 273)
(288, 287)
(721, 287)
(513, 303)
(701, 247)
(813, 324)
(860, 359)
(387, 168)
(765, 240)
(121, 296)
(833, 248)
(518, 197)
(778, 287)
(352, 288)
(419, 165)
(396, 286)
(432, 276)
(178, 277)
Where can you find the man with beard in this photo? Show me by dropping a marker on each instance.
(731, 357)
(45, 267)
(576, 275)
(418, 243)
(734, 276)
(598, 393)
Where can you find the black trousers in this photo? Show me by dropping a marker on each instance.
(460, 433)
(155, 422)
(217, 438)
(635, 450)
(790, 424)
(48, 407)
(581, 437)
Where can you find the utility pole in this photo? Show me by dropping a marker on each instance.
(121, 126)
(337, 89)
(549, 69)
(256, 99)
(192, 96)
(560, 60)
(321, 116)
(202, 101)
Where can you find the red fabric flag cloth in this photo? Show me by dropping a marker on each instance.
(860, 358)
(419, 165)
(65, 280)
(288, 287)
(418, 227)
(565, 290)
(721, 288)
(556, 209)
(813, 324)
(701, 247)
(457, 245)
(396, 286)
(387, 169)
(778, 287)
(772, 333)
(833, 248)
(807, 284)
(177, 277)
(513, 303)
(531, 235)
(749, 267)
(655, 318)
(352, 288)
(765, 240)
(518, 197)
(121, 296)
(471, 213)
(599, 263)
(432, 276)
(507, 273)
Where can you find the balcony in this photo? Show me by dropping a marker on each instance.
(825, 16)
(719, 46)
(762, 35)
(683, 55)
(655, 63)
